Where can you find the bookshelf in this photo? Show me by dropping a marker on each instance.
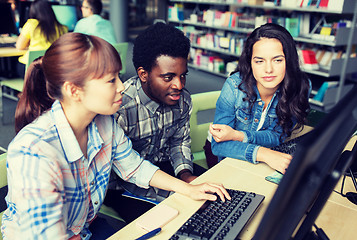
(217, 30)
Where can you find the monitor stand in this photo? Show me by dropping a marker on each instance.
(352, 196)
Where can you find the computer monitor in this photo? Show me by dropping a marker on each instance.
(24, 11)
(313, 173)
(7, 20)
(66, 15)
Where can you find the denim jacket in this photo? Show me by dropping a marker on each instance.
(233, 111)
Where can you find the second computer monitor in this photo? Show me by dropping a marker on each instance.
(66, 15)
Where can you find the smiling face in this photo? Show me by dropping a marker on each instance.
(103, 96)
(166, 80)
(268, 64)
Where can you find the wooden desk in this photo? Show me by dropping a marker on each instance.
(338, 218)
(11, 52)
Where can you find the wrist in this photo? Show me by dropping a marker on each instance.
(239, 136)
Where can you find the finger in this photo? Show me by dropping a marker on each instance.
(219, 190)
(222, 189)
(209, 196)
(217, 127)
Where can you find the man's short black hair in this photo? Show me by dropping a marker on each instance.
(157, 40)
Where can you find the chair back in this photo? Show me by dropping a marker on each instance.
(122, 49)
(33, 54)
(3, 185)
(205, 101)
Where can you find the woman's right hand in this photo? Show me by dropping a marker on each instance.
(276, 160)
(222, 133)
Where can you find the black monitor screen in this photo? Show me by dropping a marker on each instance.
(66, 15)
(24, 11)
(312, 175)
(7, 19)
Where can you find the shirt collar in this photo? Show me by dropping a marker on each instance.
(67, 138)
(66, 135)
(258, 95)
(145, 100)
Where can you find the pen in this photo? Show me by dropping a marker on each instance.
(149, 234)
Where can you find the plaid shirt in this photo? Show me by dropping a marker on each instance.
(158, 132)
(54, 191)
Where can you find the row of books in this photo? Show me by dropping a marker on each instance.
(335, 5)
(211, 62)
(299, 24)
(310, 59)
(314, 59)
(220, 40)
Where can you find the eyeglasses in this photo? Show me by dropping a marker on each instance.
(86, 7)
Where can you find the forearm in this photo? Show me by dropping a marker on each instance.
(235, 149)
(266, 138)
(165, 181)
(22, 42)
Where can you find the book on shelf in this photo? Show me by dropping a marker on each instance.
(335, 5)
(270, 3)
(313, 3)
(304, 24)
(288, 3)
(292, 25)
(322, 3)
(308, 59)
(175, 12)
(326, 59)
(256, 2)
(322, 90)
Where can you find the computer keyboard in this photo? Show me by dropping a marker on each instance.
(7, 41)
(221, 220)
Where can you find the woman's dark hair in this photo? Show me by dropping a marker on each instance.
(96, 6)
(74, 57)
(294, 89)
(48, 24)
(157, 40)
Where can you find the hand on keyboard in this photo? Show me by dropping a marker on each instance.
(206, 191)
(220, 220)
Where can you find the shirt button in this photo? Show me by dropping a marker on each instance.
(84, 235)
(92, 183)
(96, 202)
(260, 103)
(256, 120)
(245, 118)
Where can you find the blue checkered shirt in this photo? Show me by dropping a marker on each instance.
(54, 191)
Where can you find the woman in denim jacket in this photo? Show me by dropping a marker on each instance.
(263, 101)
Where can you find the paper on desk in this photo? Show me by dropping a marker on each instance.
(157, 217)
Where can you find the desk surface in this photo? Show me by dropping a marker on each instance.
(338, 218)
(11, 52)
